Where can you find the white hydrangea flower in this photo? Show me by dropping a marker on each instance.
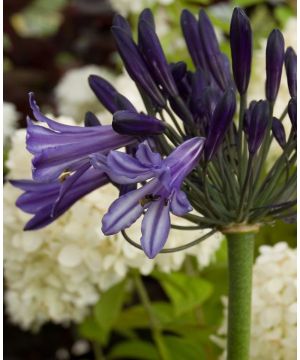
(57, 273)
(126, 7)
(10, 118)
(256, 89)
(274, 305)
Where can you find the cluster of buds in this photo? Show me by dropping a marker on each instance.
(188, 152)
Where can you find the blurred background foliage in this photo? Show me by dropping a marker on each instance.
(42, 40)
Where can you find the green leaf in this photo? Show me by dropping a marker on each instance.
(180, 349)
(136, 317)
(90, 330)
(108, 308)
(185, 292)
(135, 349)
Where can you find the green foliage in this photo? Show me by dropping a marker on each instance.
(185, 292)
(134, 349)
(105, 314)
(180, 348)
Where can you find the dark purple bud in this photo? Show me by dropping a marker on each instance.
(121, 22)
(154, 56)
(180, 76)
(128, 122)
(104, 91)
(91, 119)
(123, 103)
(290, 60)
(214, 58)
(274, 63)
(247, 117)
(136, 66)
(278, 132)
(258, 121)
(292, 111)
(241, 49)
(147, 15)
(191, 34)
(222, 118)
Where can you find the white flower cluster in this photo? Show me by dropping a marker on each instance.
(10, 118)
(74, 96)
(274, 305)
(56, 273)
(126, 7)
(258, 78)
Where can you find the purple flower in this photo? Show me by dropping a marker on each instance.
(221, 119)
(48, 201)
(132, 123)
(157, 197)
(290, 61)
(63, 149)
(292, 111)
(218, 63)
(153, 54)
(279, 132)
(191, 34)
(274, 63)
(256, 124)
(136, 65)
(241, 49)
(108, 95)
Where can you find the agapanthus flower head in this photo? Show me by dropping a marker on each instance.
(188, 112)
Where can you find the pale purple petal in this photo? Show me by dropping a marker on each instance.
(180, 204)
(155, 228)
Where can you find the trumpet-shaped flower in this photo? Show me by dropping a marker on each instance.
(157, 197)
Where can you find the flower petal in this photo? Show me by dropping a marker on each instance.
(180, 204)
(155, 228)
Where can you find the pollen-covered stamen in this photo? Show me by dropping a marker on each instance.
(64, 175)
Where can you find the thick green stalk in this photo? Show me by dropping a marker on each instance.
(154, 325)
(240, 259)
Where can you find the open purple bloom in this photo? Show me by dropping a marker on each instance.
(48, 201)
(157, 197)
(241, 49)
(63, 149)
(274, 63)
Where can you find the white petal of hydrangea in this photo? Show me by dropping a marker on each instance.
(10, 118)
(57, 273)
(256, 89)
(274, 305)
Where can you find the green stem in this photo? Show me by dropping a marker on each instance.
(154, 324)
(240, 259)
(98, 351)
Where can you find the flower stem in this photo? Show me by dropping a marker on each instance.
(240, 259)
(154, 324)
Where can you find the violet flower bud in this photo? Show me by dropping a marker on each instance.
(274, 63)
(136, 66)
(154, 56)
(104, 91)
(290, 61)
(189, 26)
(91, 119)
(128, 122)
(221, 119)
(258, 122)
(292, 111)
(279, 132)
(147, 15)
(217, 62)
(121, 22)
(241, 49)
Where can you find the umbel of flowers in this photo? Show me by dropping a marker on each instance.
(191, 151)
